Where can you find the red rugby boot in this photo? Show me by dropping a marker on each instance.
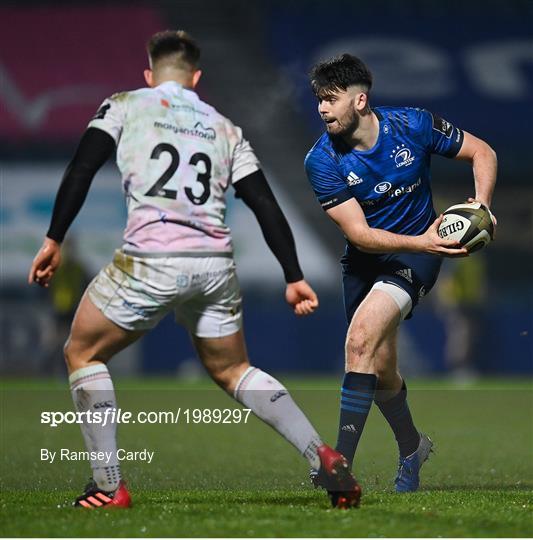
(94, 497)
(335, 476)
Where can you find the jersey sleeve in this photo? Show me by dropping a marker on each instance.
(325, 178)
(440, 137)
(243, 159)
(110, 116)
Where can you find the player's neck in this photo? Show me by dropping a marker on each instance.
(366, 135)
(184, 83)
(172, 75)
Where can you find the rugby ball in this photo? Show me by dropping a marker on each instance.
(469, 224)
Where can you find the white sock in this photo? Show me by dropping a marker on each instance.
(270, 401)
(92, 390)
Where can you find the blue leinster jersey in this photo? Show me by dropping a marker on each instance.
(391, 181)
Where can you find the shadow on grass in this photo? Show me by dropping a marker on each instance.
(243, 498)
(493, 486)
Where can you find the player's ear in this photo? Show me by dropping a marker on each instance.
(149, 77)
(361, 101)
(196, 77)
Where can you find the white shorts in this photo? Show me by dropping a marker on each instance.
(137, 292)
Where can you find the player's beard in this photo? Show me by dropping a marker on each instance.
(346, 125)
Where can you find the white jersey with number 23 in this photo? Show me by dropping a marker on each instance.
(177, 156)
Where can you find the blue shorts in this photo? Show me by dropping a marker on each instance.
(415, 273)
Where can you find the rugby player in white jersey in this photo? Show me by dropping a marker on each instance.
(178, 156)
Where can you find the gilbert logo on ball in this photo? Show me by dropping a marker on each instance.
(467, 223)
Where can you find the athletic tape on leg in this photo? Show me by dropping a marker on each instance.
(401, 297)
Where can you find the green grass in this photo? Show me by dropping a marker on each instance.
(245, 481)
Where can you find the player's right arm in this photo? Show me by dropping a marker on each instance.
(338, 202)
(95, 148)
(350, 218)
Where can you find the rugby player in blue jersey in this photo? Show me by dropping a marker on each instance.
(370, 171)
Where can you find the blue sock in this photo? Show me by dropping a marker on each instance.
(397, 413)
(357, 394)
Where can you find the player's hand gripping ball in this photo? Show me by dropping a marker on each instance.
(468, 223)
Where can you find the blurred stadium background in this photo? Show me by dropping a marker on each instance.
(471, 62)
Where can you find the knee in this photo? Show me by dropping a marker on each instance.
(74, 358)
(67, 353)
(359, 349)
(386, 363)
(385, 373)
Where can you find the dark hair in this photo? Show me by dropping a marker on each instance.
(338, 73)
(175, 46)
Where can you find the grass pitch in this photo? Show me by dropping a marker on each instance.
(243, 480)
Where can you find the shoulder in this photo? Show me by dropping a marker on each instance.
(111, 114)
(322, 154)
(141, 94)
(131, 94)
(405, 119)
(214, 113)
(122, 100)
(117, 99)
(429, 124)
(120, 96)
(221, 123)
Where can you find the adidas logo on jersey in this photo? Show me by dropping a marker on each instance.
(353, 179)
(406, 274)
(349, 427)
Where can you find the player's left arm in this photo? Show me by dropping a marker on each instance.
(484, 165)
(254, 190)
